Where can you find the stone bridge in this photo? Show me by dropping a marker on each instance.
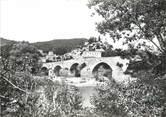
(86, 67)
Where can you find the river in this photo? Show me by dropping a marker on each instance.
(87, 92)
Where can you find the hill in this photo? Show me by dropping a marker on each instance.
(5, 41)
(60, 46)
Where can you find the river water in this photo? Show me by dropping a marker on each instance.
(86, 87)
(87, 92)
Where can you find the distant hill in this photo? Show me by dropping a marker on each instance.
(5, 41)
(60, 46)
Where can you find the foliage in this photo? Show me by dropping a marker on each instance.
(20, 57)
(4, 42)
(150, 71)
(145, 96)
(92, 39)
(61, 100)
(69, 100)
(133, 20)
(25, 95)
(50, 89)
(136, 99)
(119, 52)
(17, 83)
(107, 101)
(147, 61)
(25, 57)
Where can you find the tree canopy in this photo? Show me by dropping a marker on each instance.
(143, 19)
(134, 20)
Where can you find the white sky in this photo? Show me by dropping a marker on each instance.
(42, 20)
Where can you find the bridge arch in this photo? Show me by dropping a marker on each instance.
(57, 70)
(102, 69)
(74, 69)
(44, 71)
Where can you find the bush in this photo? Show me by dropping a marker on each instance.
(132, 100)
(108, 100)
(60, 100)
(69, 100)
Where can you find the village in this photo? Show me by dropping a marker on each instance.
(85, 65)
(88, 50)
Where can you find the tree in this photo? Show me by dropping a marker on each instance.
(133, 20)
(63, 100)
(136, 99)
(92, 40)
(143, 19)
(69, 100)
(26, 57)
(108, 100)
(18, 60)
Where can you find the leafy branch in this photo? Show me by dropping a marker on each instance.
(13, 85)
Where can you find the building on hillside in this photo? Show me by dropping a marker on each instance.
(88, 50)
(94, 49)
(76, 53)
(51, 56)
(89, 54)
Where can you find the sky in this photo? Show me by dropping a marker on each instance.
(43, 20)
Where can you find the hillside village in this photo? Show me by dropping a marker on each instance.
(88, 50)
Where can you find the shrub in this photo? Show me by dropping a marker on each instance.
(132, 100)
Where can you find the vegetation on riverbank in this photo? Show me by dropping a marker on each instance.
(23, 95)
